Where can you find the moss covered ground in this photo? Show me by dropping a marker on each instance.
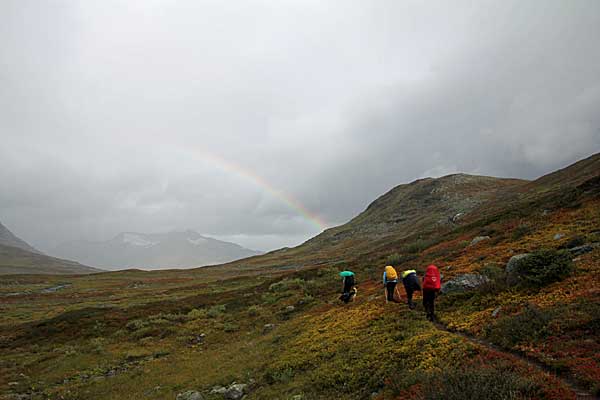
(281, 329)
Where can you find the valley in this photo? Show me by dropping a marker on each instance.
(274, 325)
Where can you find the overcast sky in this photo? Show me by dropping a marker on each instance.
(228, 117)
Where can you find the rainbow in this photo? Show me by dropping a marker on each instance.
(249, 175)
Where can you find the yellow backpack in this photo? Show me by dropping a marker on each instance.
(390, 273)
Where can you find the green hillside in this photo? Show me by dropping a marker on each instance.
(271, 326)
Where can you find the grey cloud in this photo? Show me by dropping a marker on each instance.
(153, 116)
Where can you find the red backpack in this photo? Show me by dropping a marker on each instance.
(432, 278)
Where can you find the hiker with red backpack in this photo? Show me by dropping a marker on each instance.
(431, 287)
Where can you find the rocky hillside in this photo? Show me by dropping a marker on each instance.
(413, 217)
(422, 205)
(151, 251)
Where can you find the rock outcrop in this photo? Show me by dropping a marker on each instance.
(464, 282)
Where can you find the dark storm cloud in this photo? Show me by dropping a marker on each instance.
(160, 115)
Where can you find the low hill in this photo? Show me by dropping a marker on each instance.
(14, 260)
(422, 204)
(7, 238)
(413, 217)
(152, 251)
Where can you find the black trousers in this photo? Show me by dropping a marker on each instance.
(409, 296)
(390, 287)
(348, 284)
(429, 303)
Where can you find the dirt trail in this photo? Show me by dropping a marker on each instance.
(579, 391)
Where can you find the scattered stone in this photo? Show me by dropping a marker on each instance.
(479, 239)
(13, 383)
(559, 236)
(496, 312)
(290, 309)
(456, 217)
(17, 396)
(448, 267)
(464, 282)
(268, 328)
(236, 391)
(579, 250)
(514, 260)
(189, 395)
(297, 397)
(512, 277)
(218, 390)
(198, 339)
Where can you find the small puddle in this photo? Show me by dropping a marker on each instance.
(55, 288)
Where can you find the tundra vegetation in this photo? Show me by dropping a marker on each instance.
(274, 322)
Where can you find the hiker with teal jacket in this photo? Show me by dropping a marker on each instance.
(348, 288)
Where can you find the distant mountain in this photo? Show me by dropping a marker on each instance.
(7, 238)
(152, 251)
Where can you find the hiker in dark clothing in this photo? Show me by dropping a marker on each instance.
(390, 280)
(348, 289)
(410, 280)
(431, 287)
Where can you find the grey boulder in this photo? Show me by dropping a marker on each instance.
(479, 239)
(464, 282)
(235, 391)
(189, 395)
(579, 250)
(512, 277)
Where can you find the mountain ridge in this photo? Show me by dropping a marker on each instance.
(429, 209)
(8, 238)
(175, 249)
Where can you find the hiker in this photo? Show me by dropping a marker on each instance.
(431, 287)
(348, 289)
(390, 279)
(410, 280)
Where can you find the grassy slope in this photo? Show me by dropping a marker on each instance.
(319, 349)
(14, 260)
(130, 334)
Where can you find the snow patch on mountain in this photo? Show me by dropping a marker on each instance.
(137, 240)
(197, 241)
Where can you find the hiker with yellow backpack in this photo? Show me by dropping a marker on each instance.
(390, 280)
